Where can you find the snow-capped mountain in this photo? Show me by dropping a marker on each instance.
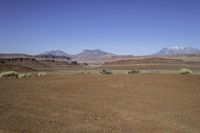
(177, 51)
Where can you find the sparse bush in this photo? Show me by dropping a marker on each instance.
(13, 74)
(74, 63)
(9, 74)
(41, 74)
(1, 61)
(85, 64)
(133, 71)
(104, 71)
(28, 75)
(21, 75)
(186, 71)
(24, 75)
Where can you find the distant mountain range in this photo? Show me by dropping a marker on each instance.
(97, 53)
(99, 56)
(177, 51)
(84, 53)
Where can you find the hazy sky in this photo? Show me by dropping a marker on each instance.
(120, 26)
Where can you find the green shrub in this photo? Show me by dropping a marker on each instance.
(133, 71)
(186, 71)
(104, 71)
(8, 74)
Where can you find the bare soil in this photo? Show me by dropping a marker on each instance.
(101, 103)
(154, 64)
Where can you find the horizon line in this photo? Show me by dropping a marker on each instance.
(26, 53)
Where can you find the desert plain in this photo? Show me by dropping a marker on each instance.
(101, 103)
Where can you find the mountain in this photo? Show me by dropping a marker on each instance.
(55, 53)
(92, 56)
(14, 55)
(94, 53)
(177, 51)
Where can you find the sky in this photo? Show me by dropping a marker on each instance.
(136, 27)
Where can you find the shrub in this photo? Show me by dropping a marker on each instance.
(74, 63)
(24, 75)
(41, 74)
(21, 75)
(7, 74)
(13, 74)
(104, 71)
(85, 64)
(186, 71)
(28, 75)
(133, 71)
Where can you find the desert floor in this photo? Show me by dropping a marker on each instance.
(101, 103)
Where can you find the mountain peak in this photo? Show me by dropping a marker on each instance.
(95, 52)
(55, 53)
(176, 48)
(177, 51)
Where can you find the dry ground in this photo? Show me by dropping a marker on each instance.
(160, 64)
(162, 103)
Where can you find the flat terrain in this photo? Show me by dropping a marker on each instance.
(101, 103)
(155, 64)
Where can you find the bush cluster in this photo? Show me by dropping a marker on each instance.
(9, 74)
(13, 74)
(185, 71)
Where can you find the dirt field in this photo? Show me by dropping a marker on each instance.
(154, 64)
(162, 103)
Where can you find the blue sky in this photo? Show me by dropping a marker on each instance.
(135, 27)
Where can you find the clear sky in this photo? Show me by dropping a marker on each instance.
(135, 27)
